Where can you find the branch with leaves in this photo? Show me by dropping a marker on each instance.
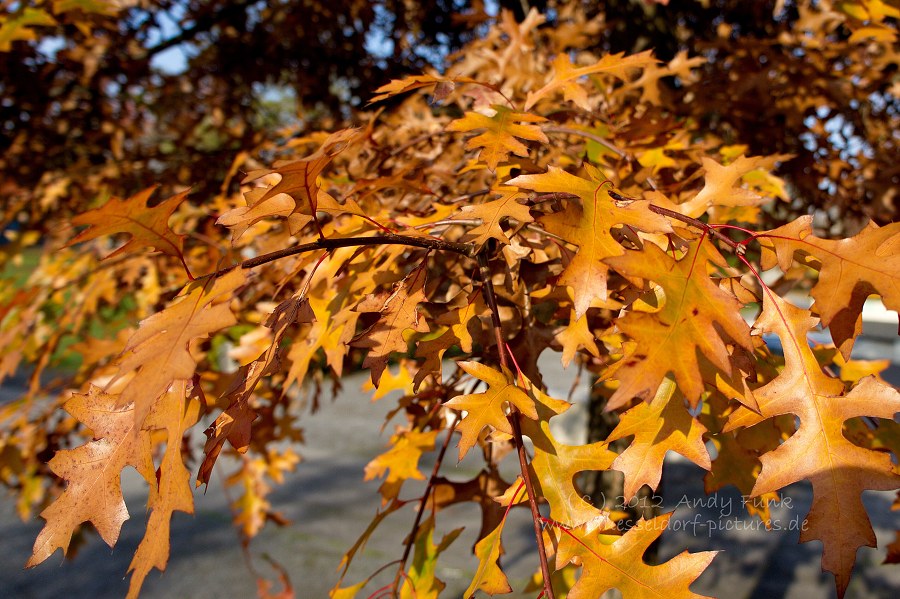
(445, 249)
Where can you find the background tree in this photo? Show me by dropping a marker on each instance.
(541, 194)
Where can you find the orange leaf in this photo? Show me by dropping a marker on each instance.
(401, 461)
(620, 564)
(658, 427)
(93, 492)
(234, 423)
(399, 313)
(442, 86)
(566, 76)
(588, 226)
(502, 129)
(838, 470)
(298, 179)
(160, 349)
(146, 226)
(491, 214)
(695, 310)
(849, 270)
(174, 414)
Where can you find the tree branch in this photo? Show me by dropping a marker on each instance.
(490, 299)
(428, 243)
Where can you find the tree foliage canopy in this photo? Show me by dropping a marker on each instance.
(651, 216)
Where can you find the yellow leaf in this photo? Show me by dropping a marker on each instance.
(488, 409)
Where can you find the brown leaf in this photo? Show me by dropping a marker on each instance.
(159, 351)
(399, 313)
(93, 492)
(146, 226)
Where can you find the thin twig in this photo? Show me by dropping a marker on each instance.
(606, 144)
(536, 517)
(410, 541)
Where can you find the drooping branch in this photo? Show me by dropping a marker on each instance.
(514, 416)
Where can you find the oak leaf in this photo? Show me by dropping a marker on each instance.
(299, 178)
(175, 412)
(694, 311)
(722, 184)
(502, 130)
(588, 226)
(492, 216)
(234, 424)
(849, 270)
(243, 217)
(488, 409)
(148, 227)
(93, 492)
(574, 337)
(421, 581)
(399, 313)
(159, 351)
(442, 86)
(489, 577)
(566, 76)
(401, 461)
(838, 470)
(662, 425)
(555, 465)
(620, 564)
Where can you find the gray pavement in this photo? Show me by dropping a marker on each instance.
(330, 506)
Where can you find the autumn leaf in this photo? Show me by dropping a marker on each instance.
(488, 409)
(503, 128)
(399, 313)
(589, 227)
(299, 180)
(489, 577)
(421, 581)
(838, 470)
(21, 26)
(555, 465)
(401, 461)
(662, 425)
(234, 424)
(243, 217)
(618, 563)
(566, 76)
(695, 309)
(723, 185)
(174, 413)
(159, 352)
(441, 86)
(148, 227)
(492, 216)
(93, 492)
(849, 271)
(574, 337)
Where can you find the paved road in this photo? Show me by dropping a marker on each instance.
(330, 505)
